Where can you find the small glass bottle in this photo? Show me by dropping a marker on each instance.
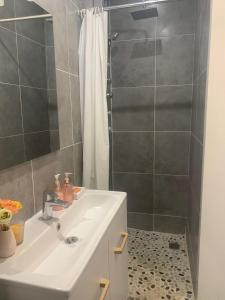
(67, 189)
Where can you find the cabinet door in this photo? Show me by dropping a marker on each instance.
(92, 284)
(118, 256)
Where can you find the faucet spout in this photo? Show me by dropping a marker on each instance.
(49, 202)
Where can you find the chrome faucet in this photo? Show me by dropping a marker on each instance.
(48, 203)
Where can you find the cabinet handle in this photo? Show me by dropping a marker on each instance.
(104, 284)
(120, 249)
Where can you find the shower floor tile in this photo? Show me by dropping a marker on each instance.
(157, 272)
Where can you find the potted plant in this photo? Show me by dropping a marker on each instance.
(8, 208)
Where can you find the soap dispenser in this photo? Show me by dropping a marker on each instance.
(56, 195)
(68, 189)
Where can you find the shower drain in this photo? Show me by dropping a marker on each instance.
(174, 246)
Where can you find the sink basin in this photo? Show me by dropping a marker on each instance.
(44, 260)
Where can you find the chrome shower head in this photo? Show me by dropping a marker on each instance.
(144, 14)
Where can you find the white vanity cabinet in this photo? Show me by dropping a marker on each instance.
(106, 274)
(46, 267)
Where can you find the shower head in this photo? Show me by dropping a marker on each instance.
(145, 14)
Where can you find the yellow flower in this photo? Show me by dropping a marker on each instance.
(5, 216)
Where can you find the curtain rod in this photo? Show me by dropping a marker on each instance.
(26, 18)
(143, 3)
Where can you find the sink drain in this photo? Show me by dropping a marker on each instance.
(68, 240)
(71, 240)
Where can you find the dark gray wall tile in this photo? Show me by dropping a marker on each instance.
(202, 36)
(35, 109)
(196, 167)
(129, 28)
(66, 160)
(194, 237)
(31, 57)
(133, 109)
(139, 188)
(64, 108)
(169, 224)
(8, 57)
(171, 195)
(78, 163)
(197, 139)
(49, 34)
(54, 140)
(50, 67)
(61, 36)
(11, 151)
(37, 144)
(16, 183)
(194, 123)
(53, 110)
(73, 31)
(7, 11)
(174, 60)
(75, 100)
(33, 29)
(140, 221)
(173, 108)
(172, 153)
(10, 109)
(133, 63)
(133, 152)
(194, 233)
(175, 18)
(199, 111)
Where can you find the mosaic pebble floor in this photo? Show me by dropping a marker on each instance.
(157, 272)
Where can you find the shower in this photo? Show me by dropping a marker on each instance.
(149, 120)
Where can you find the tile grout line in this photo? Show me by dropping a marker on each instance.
(20, 92)
(197, 139)
(67, 72)
(152, 86)
(152, 131)
(148, 173)
(156, 37)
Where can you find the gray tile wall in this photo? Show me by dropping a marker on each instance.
(152, 76)
(27, 181)
(25, 70)
(197, 136)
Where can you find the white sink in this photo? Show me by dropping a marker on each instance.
(44, 260)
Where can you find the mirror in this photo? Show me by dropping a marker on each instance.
(28, 99)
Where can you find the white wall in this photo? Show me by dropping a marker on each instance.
(212, 241)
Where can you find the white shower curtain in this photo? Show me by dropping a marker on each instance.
(93, 84)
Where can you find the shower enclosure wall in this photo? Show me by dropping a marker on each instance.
(152, 81)
(158, 64)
